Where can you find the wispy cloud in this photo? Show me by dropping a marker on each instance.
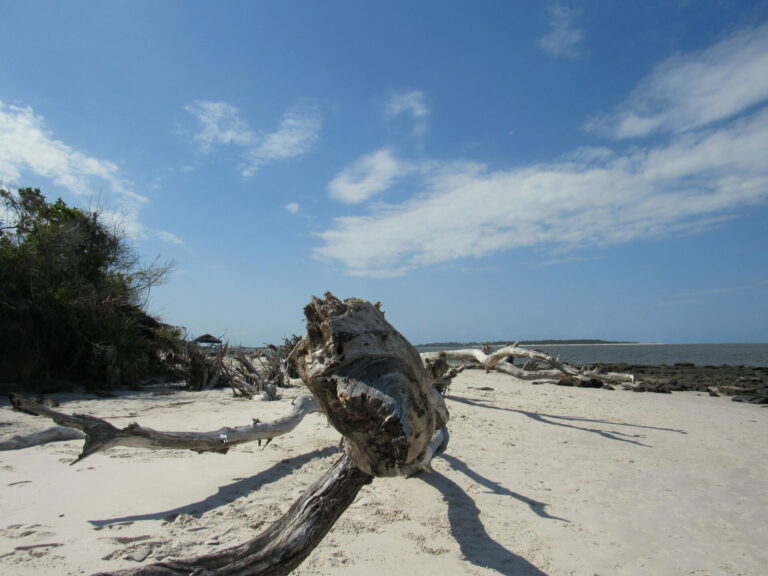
(295, 136)
(367, 176)
(221, 124)
(695, 296)
(412, 103)
(564, 36)
(292, 208)
(169, 237)
(589, 197)
(690, 91)
(27, 147)
(727, 289)
(690, 183)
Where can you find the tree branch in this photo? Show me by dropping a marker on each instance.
(497, 361)
(286, 543)
(101, 435)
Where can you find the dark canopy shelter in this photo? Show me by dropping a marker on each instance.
(207, 339)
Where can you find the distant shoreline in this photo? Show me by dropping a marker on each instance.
(579, 342)
(645, 353)
(455, 345)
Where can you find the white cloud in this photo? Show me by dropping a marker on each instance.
(367, 176)
(297, 133)
(221, 125)
(169, 237)
(690, 91)
(411, 102)
(586, 198)
(292, 208)
(703, 175)
(27, 148)
(564, 36)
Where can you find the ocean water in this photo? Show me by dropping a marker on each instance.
(700, 354)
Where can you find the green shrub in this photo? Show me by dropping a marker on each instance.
(71, 298)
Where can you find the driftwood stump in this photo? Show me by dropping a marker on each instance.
(372, 384)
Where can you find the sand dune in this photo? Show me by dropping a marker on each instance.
(536, 480)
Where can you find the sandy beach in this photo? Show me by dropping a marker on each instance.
(537, 480)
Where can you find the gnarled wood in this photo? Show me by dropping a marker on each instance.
(101, 435)
(497, 361)
(371, 383)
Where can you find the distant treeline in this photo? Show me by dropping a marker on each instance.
(522, 343)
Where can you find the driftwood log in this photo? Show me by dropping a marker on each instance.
(101, 435)
(375, 390)
(52, 434)
(498, 361)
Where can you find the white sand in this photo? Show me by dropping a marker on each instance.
(536, 480)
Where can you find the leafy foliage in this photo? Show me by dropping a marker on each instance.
(71, 299)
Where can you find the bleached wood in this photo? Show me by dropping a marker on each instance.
(497, 360)
(52, 434)
(101, 435)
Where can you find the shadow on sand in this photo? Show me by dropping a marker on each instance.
(556, 420)
(477, 546)
(226, 494)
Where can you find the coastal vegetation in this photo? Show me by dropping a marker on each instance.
(72, 300)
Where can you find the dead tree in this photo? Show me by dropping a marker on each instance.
(375, 390)
(498, 361)
(100, 435)
(52, 434)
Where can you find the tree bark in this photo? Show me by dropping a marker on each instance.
(101, 435)
(371, 383)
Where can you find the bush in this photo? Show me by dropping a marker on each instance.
(72, 293)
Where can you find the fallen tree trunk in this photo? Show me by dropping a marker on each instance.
(497, 361)
(101, 435)
(52, 434)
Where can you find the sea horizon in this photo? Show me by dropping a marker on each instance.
(703, 354)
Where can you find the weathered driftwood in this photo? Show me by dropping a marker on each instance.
(247, 380)
(376, 391)
(441, 372)
(286, 543)
(374, 388)
(243, 359)
(371, 383)
(101, 435)
(497, 361)
(52, 434)
(218, 368)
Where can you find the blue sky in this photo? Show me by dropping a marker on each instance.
(488, 170)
